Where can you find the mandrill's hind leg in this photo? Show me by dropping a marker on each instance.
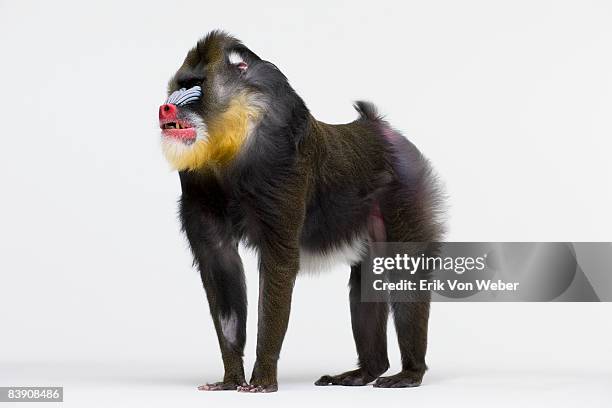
(410, 317)
(411, 326)
(369, 323)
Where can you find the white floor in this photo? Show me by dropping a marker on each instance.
(140, 384)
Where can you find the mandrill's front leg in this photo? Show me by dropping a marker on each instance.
(279, 262)
(278, 270)
(217, 258)
(223, 281)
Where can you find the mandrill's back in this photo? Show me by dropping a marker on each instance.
(363, 170)
(350, 169)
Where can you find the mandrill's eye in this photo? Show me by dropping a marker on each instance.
(236, 60)
(190, 82)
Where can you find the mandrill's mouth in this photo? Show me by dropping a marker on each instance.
(178, 129)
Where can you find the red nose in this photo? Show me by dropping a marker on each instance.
(167, 111)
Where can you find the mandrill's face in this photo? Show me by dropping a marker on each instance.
(214, 102)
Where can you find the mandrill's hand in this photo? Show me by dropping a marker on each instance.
(263, 379)
(230, 382)
(258, 388)
(221, 386)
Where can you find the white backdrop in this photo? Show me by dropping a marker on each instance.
(510, 100)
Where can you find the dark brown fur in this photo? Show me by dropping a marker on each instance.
(300, 184)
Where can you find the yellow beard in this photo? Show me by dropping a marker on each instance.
(226, 135)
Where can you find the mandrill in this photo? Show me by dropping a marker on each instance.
(256, 167)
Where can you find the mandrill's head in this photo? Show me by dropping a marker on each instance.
(216, 99)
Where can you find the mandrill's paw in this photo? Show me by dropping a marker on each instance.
(258, 388)
(403, 379)
(351, 378)
(221, 386)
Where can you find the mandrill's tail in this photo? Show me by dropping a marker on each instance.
(367, 110)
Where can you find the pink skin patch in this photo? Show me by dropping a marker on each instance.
(174, 127)
(376, 225)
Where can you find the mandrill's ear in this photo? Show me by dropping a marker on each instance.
(235, 58)
(241, 57)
